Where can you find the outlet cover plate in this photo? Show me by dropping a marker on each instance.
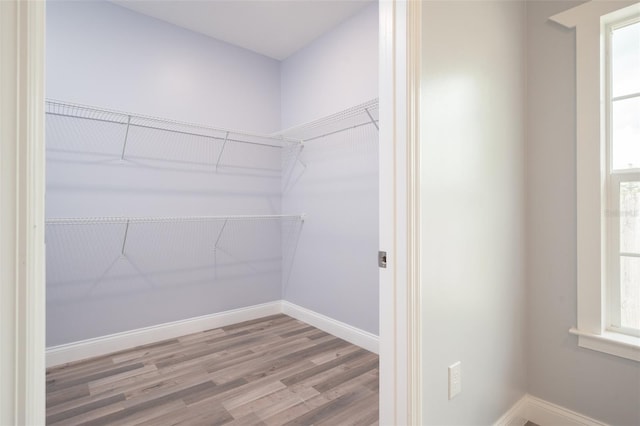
(455, 380)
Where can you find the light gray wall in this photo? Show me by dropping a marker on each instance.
(150, 67)
(601, 386)
(335, 72)
(105, 55)
(334, 270)
(473, 290)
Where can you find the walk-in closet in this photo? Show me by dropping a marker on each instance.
(212, 212)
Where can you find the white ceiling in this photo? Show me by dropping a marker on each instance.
(274, 28)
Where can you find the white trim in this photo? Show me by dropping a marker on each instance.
(339, 329)
(400, 336)
(391, 333)
(103, 345)
(589, 20)
(516, 414)
(543, 413)
(22, 317)
(617, 344)
(414, 216)
(585, 12)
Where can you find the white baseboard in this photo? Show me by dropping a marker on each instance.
(544, 413)
(339, 329)
(516, 414)
(62, 354)
(76, 351)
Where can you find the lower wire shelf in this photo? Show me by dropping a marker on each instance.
(165, 219)
(89, 250)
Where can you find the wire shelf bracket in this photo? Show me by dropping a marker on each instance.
(124, 239)
(371, 118)
(126, 136)
(224, 144)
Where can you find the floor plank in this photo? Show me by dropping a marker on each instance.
(269, 371)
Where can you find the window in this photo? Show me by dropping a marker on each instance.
(623, 175)
(607, 175)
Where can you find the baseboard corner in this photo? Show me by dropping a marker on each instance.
(339, 329)
(516, 415)
(85, 349)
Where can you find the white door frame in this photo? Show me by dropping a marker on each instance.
(400, 332)
(22, 320)
(22, 188)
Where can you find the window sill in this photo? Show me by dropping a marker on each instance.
(609, 342)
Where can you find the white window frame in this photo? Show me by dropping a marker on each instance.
(613, 180)
(590, 21)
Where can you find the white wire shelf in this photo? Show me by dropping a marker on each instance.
(365, 114)
(84, 252)
(352, 128)
(167, 219)
(74, 128)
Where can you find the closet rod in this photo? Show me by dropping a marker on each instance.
(131, 220)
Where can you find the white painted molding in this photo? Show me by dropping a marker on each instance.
(611, 343)
(516, 414)
(103, 345)
(339, 329)
(76, 351)
(22, 289)
(589, 20)
(414, 214)
(594, 8)
(543, 413)
(400, 344)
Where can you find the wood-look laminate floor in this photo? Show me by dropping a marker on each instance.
(271, 371)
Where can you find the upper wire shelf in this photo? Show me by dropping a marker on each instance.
(361, 115)
(73, 128)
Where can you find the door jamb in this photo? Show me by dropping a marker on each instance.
(400, 299)
(22, 189)
(22, 290)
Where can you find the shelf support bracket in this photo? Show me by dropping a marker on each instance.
(215, 250)
(124, 240)
(371, 118)
(126, 136)
(220, 234)
(226, 138)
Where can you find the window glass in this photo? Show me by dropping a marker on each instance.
(625, 45)
(630, 217)
(625, 87)
(625, 133)
(630, 292)
(630, 257)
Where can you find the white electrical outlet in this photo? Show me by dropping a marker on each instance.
(455, 380)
